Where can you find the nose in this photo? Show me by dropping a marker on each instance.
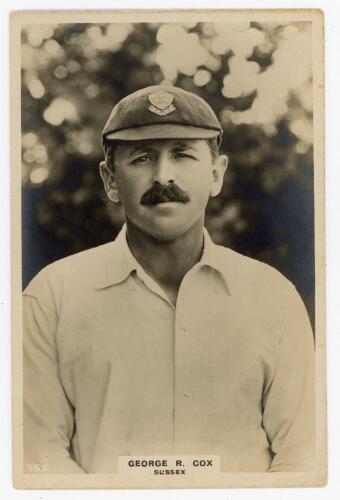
(163, 170)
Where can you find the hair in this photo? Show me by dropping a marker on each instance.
(110, 146)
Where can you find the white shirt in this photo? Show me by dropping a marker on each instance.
(112, 368)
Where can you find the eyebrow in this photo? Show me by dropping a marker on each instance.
(147, 146)
(184, 145)
(139, 148)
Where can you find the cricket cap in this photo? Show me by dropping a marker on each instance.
(161, 112)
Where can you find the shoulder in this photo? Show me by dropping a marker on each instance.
(89, 260)
(78, 270)
(247, 275)
(264, 293)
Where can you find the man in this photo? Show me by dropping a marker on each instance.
(162, 342)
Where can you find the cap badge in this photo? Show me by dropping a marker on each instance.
(161, 103)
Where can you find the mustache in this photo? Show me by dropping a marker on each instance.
(163, 193)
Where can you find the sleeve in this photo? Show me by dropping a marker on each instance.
(48, 415)
(288, 414)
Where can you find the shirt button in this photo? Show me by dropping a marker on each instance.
(182, 327)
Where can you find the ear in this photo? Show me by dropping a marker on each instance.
(219, 168)
(109, 182)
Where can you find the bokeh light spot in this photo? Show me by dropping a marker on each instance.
(36, 88)
(85, 148)
(59, 110)
(301, 148)
(53, 48)
(73, 66)
(29, 156)
(61, 72)
(94, 32)
(92, 90)
(39, 175)
(29, 140)
(179, 51)
(40, 153)
(231, 89)
(202, 77)
(302, 128)
(37, 33)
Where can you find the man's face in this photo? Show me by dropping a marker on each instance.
(164, 185)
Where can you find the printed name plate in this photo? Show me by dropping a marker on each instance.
(169, 465)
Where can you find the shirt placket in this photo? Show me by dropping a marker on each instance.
(183, 383)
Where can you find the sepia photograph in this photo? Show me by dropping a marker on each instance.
(168, 221)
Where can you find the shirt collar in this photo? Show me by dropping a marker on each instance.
(118, 263)
(215, 257)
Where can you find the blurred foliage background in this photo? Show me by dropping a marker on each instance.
(258, 79)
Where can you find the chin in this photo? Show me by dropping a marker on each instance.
(165, 234)
(165, 230)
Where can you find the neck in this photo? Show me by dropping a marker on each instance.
(166, 261)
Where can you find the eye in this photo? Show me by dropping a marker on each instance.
(182, 155)
(141, 159)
